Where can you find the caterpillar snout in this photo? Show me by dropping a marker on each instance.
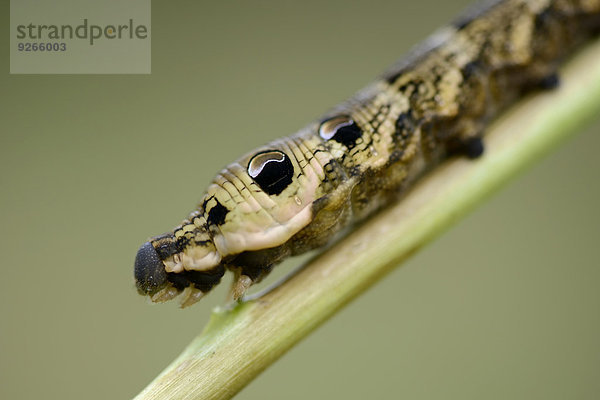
(184, 261)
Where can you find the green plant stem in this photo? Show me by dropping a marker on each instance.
(238, 344)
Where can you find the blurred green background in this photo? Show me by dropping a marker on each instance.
(505, 305)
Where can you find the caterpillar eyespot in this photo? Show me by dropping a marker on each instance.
(271, 170)
(296, 193)
(342, 129)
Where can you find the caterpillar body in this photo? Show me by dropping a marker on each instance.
(296, 193)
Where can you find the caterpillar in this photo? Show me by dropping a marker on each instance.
(298, 193)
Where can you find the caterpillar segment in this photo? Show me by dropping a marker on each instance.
(298, 193)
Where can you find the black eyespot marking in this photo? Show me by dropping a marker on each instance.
(342, 129)
(217, 214)
(272, 170)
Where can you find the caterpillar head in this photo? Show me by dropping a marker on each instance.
(253, 206)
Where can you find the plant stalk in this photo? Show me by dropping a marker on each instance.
(238, 344)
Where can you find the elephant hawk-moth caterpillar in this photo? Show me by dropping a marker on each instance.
(296, 193)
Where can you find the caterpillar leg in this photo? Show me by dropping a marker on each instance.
(240, 285)
(165, 294)
(245, 277)
(191, 295)
(471, 147)
(549, 82)
(468, 143)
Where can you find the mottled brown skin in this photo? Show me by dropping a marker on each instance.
(367, 151)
